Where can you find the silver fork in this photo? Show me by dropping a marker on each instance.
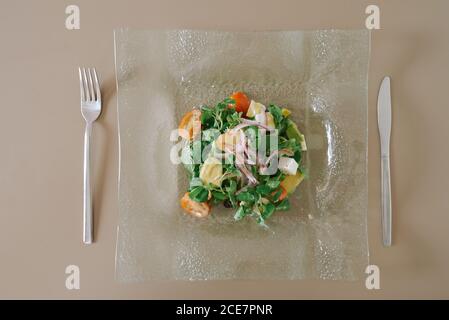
(90, 109)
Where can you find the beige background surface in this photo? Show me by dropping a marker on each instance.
(41, 135)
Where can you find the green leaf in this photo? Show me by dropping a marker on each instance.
(291, 144)
(210, 135)
(282, 126)
(277, 114)
(233, 200)
(222, 105)
(268, 210)
(230, 168)
(283, 205)
(199, 194)
(234, 119)
(297, 156)
(229, 101)
(293, 131)
(219, 195)
(277, 195)
(240, 213)
(263, 189)
(232, 188)
(246, 196)
(207, 117)
(273, 184)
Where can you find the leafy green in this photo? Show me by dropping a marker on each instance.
(199, 194)
(207, 117)
(264, 189)
(268, 210)
(210, 135)
(293, 132)
(246, 196)
(240, 213)
(219, 195)
(231, 189)
(290, 144)
(273, 184)
(277, 113)
(234, 119)
(228, 101)
(230, 168)
(221, 117)
(276, 196)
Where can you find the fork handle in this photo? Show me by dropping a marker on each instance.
(87, 207)
(386, 201)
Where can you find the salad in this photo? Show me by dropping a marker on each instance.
(243, 155)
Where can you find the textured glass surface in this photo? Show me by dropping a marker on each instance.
(320, 75)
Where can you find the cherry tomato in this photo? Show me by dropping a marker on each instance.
(196, 209)
(241, 102)
(190, 125)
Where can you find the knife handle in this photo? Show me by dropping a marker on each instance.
(386, 201)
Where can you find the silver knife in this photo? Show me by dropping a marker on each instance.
(384, 123)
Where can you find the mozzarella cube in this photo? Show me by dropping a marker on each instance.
(261, 118)
(255, 108)
(288, 166)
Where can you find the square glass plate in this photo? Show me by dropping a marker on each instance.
(320, 75)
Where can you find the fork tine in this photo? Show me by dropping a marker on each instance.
(91, 85)
(97, 86)
(81, 85)
(86, 85)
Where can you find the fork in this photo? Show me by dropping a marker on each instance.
(90, 109)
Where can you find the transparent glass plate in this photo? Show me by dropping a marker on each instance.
(320, 75)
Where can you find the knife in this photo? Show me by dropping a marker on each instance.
(384, 123)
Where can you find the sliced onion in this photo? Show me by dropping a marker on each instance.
(246, 123)
(240, 126)
(251, 156)
(252, 180)
(255, 123)
(240, 161)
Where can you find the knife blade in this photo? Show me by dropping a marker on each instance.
(384, 124)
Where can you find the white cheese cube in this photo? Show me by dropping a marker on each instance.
(288, 166)
(261, 118)
(254, 108)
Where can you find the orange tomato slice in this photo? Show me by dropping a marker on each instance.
(190, 125)
(196, 209)
(283, 193)
(241, 101)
